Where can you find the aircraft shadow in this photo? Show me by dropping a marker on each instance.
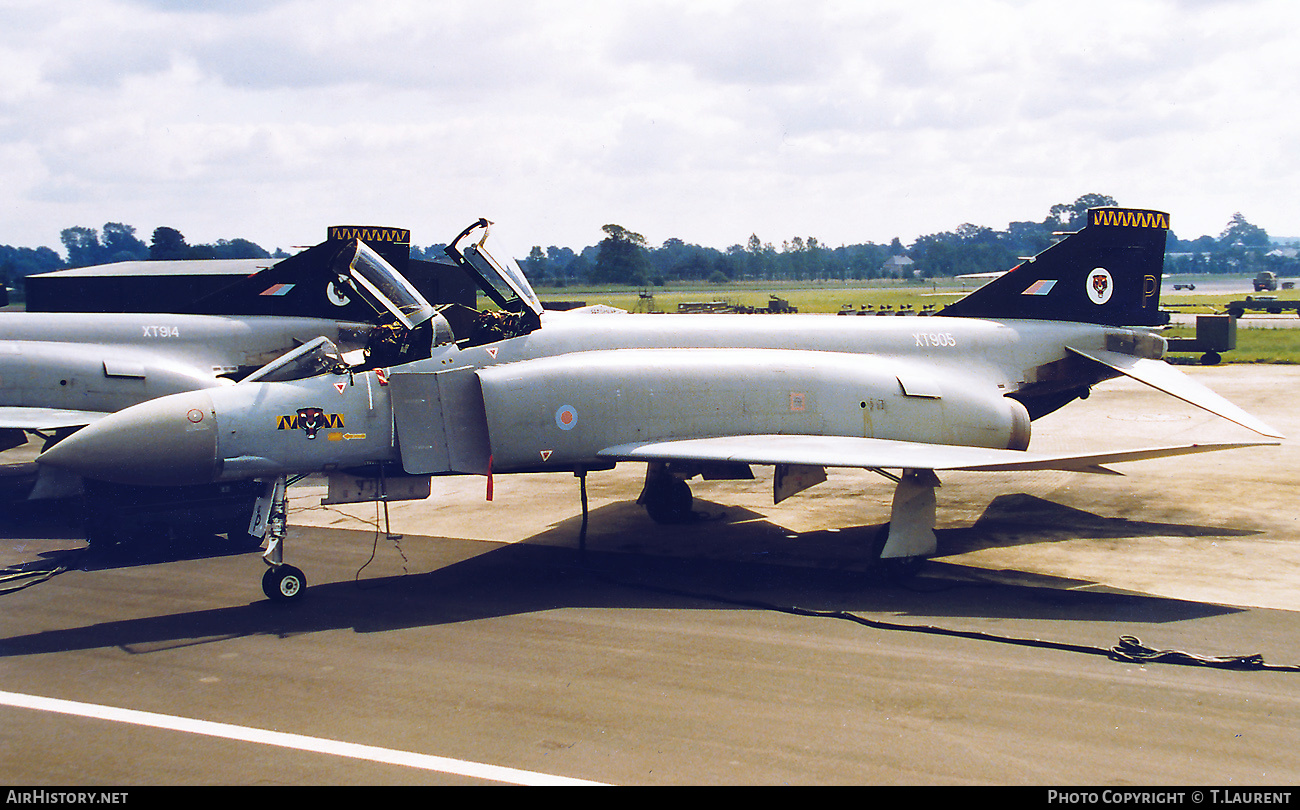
(56, 519)
(1021, 519)
(164, 549)
(61, 522)
(529, 577)
(76, 555)
(740, 534)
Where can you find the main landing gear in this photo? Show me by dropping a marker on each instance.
(912, 516)
(666, 498)
(908, 538)
(906, 541)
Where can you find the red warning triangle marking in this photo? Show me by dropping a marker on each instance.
(340, 386)
(546, 455)
(492, 351)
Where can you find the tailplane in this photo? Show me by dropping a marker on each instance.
(1108, 273)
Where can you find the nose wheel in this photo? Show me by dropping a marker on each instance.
(283, 583)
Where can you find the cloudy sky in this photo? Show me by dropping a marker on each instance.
(702, 120)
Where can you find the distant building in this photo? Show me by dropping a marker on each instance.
(897, 266)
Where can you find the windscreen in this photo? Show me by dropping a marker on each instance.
(308, 360)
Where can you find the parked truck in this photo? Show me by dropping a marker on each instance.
(1266, 280)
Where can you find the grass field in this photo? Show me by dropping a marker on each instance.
(806, 297)
(1254, 345)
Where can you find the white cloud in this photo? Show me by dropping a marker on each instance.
(704, 120)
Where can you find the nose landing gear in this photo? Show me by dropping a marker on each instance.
(281, 582)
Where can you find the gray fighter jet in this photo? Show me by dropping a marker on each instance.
(515, 389)
(94, 346)
(62, 370)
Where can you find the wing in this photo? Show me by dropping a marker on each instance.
(45, 418)
(850, 451)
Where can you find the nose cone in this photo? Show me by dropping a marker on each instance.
(170, 441)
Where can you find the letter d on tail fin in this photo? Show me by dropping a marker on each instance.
(1108, 273)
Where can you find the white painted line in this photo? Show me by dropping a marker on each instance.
(281, 739)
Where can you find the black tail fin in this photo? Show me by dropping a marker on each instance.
(1108, 273)
(304, 285)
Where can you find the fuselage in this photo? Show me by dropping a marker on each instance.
(609, 379)
(554, 398)
(1002, 353)
(102, 363)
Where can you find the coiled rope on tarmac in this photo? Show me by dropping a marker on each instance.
(1130, 649)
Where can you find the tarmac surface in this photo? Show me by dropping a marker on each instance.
(757, 645)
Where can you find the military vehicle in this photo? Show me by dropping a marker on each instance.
(1265, 280)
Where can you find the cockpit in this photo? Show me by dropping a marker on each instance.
(314, 357)
(501, 281)
(410, 326)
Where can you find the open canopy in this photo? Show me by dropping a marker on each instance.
(381, 284)
(500, 279)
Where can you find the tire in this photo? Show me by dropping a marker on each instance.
(284, 583)
(669, 502)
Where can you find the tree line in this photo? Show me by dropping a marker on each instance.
(623, 257)
(118, 243)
